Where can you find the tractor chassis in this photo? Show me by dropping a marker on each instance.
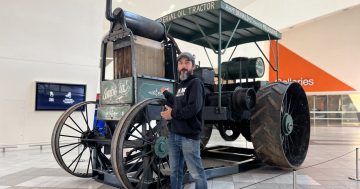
(218, 161)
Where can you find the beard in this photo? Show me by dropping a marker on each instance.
(184, 74)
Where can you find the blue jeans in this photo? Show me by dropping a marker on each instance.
(180, 149)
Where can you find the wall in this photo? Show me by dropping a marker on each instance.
(325, 50)
(41, 40)
(283, 14)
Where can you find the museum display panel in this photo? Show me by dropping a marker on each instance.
(58, 96)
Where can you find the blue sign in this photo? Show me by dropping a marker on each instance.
(58, 96)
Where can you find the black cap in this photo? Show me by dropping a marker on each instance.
(187, 55)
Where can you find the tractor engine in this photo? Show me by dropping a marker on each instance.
(239, 97)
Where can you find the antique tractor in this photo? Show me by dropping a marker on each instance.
(122, 140)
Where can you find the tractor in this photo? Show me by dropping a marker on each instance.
(121, 139)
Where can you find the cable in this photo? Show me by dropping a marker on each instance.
(326, 160)
(299, 169)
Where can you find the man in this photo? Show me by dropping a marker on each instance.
(185, 118)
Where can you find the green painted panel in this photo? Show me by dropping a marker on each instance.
(112, 112)
(150, 88)
(117, 91)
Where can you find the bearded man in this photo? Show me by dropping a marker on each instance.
(184, 114)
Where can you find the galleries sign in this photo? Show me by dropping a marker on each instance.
(293, 67)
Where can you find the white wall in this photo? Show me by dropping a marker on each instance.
(332, 43)
(42, 40)
(282, 14)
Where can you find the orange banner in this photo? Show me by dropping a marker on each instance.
(292, 67)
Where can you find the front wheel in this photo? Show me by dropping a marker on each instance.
(280, 125)
(139, 153)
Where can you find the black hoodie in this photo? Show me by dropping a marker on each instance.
(187, 107)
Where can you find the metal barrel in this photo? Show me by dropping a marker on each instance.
(242, 67)
(142, 26)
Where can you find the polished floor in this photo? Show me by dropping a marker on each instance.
(329, 163)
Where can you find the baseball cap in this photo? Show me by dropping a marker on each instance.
(186, 55)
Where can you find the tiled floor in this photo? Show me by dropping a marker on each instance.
(30, 169)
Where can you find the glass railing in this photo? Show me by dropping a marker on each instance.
(335, 118)
(335, 109)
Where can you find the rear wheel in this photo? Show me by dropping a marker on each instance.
(74, 141)
(139, 147)
(280, 125)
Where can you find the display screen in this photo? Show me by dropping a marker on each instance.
(58, 96)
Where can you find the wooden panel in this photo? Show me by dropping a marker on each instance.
(122, 63)
(149, 56)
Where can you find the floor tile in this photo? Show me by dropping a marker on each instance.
(35, 169)
(61, 182)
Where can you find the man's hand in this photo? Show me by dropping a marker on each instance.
(164, 89)
(167, 113)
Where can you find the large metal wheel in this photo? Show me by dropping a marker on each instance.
(280, 125)
(74, 143)
(139, 147)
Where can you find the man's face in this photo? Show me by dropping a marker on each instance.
(185, 68)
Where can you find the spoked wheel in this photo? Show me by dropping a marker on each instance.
(139, 152)
(280, 126)
(229, 131)
(74, 143)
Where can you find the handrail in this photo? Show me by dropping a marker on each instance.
(7, 146)
(334, 112)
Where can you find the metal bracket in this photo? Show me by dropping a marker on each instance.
(206, 38)
(215, 113)
(232, 53)
(232, 35)
(208, 58)
(267, 60)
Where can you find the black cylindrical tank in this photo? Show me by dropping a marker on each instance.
(142, 26)
(242, 67)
